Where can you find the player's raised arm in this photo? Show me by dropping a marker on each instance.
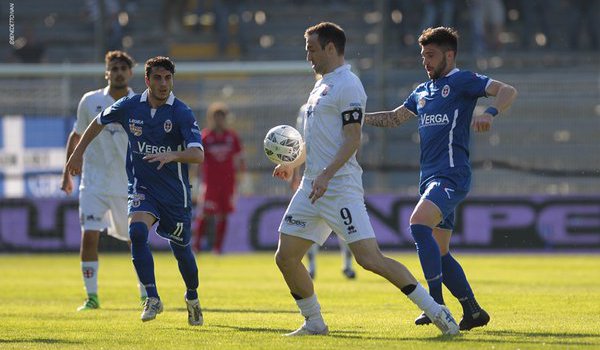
(75, 162)
(389, 119)
(504, 97)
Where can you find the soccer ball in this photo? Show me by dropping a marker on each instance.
(283, 144)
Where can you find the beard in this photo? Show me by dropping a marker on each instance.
(439, 70)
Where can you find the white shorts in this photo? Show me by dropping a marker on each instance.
(342, 209)
(98, 212)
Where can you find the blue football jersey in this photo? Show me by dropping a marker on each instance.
(445, 109)
(171, 127)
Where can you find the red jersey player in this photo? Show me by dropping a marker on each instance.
(223, 159)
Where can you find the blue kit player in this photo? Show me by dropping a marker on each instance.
(444, 106)
(163, 137)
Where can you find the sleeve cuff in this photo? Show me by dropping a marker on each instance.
(195, 144)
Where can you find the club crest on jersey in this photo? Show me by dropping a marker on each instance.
(168, 125)
(445, 91)
(325, 91)
(136, 199)
(135, 126)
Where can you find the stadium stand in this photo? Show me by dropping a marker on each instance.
(547, 143)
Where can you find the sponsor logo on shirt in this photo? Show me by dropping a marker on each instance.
(168, 126)
(89, 217)
(145, 148)
(98, 109)
(445, 91)
(434, 119)
(422, 102)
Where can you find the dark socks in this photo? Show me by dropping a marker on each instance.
(142, 257)
(429, 255)
(187, 267)
(456, 282)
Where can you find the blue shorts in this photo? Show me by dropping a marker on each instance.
(174, 222)
(446, 191)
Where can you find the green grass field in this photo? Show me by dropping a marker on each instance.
(536, 302)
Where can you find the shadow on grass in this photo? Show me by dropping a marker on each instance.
(241, 311)
(254, 329)
(543, 334)
(39, 340)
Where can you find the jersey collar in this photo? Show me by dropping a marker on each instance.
(452, 72)
(338, 69)
(170, 100)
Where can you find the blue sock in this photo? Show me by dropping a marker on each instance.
(142, 257)
(429, 255)
(188, 268)
(456, 282)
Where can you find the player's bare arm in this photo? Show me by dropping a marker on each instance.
(67, 181)
(189, 155)
(75, 162)
(389, 119)
(352, 135)
(504, 97)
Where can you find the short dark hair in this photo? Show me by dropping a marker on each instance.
(328, 32)
(159, 61)
(118, 55)
(445, 37)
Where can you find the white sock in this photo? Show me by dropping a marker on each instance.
(143, 293)
(424, 301)
(89, 270)
(311, 310)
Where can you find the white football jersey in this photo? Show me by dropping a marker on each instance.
(336, 92)
(104, 159)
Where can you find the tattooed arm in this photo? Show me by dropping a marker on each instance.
(389, 119)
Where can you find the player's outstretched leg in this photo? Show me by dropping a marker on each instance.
(456, 281)
(189, 271)
(369, 256)
(288, 257)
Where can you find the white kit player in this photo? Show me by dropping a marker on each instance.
(330, 195)
(311, 255)
(103, 188)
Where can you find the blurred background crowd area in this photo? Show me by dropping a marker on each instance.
(81, 31)
(549, 50)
